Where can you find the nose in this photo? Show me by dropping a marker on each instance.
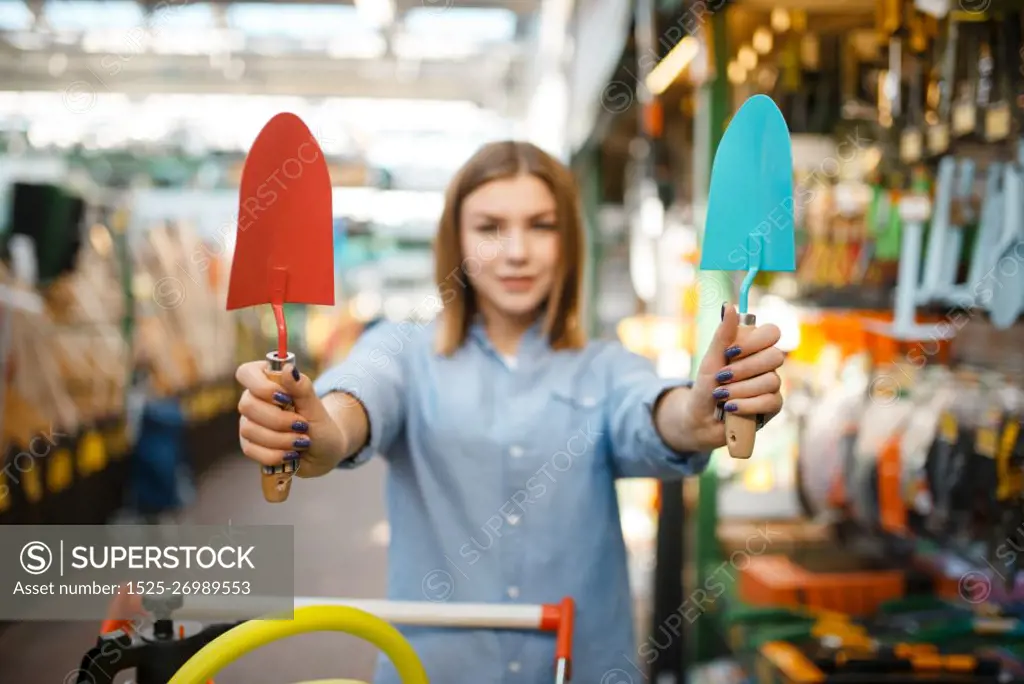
(515, 244)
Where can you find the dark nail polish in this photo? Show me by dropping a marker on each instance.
(299, 426)
(731, 407)
(282, 398)
(292, 456)
(732, 352)
(301, 443)
(295, 373)
(720, 393)
(724, 376)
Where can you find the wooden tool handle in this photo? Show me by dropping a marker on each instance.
(276, 481)
(739, 430)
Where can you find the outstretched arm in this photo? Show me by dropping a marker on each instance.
(667, 428)
(365, 393)
(639, 446)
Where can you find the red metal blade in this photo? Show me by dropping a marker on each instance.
(284, 252)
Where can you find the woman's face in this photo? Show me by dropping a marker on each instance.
(510, 245)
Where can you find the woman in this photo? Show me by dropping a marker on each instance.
(504, 428)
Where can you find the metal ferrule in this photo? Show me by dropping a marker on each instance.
(283, 468)
(276, 363)
(745, 319)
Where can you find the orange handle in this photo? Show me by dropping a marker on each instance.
(276, 481)
(563, 638)
(739, 430)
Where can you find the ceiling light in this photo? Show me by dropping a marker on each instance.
(652, 214)
(376, 12)
(780, 20)
(737, 74)
(763, 40)
(669, 68)
(643, 264)
(747, 58)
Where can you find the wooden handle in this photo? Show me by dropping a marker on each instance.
(739, 430)
(276, 481)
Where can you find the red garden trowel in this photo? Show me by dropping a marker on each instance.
(284, 252)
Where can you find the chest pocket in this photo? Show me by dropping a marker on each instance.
(577, 416)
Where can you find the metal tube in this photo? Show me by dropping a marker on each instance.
(561, 671)
(276, 364)
(413, 613)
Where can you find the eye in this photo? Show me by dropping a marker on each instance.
(545, 225)
(487, 227)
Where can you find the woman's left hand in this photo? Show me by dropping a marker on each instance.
(745, 379)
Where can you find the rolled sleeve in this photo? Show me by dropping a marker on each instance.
(638, 449)
(372, 373)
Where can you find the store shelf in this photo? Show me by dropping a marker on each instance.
(815, 6)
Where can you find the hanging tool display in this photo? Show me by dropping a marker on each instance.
(989, 225)
(964, 110)
(849, 230)
(284, 252)
(950, 107)
(912, 639)
(911, 450)
(812, 270)
(912, 139)
(883, 227)
(941, 459)
(1007, 302)
(939, 93)
(954, 183)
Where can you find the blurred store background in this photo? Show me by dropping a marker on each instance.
(123, 128)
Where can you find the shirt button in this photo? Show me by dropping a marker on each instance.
(513, 666)
(513, 519)
(515, 451)
(513, 592)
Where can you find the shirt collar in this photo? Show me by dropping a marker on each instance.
(533, 336)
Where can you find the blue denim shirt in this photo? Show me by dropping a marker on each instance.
(500, 489)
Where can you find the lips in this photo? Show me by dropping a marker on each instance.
(517, 284)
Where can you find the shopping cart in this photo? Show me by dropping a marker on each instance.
(165, 655)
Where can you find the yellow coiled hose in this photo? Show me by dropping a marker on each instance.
(251, 635)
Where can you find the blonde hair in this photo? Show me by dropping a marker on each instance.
(492, 162)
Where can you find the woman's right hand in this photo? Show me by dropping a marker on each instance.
(271, 435)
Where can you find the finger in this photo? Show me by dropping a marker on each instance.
(761, 337)
(769, 383)
(764, 361)
(714, 357)
(265, 456)
(252, 376)
(268, 415)
(279, 441)
(300, 388)
(767, 404)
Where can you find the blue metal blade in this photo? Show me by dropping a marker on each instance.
(749, 223)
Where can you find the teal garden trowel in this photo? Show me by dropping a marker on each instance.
(749, 225)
